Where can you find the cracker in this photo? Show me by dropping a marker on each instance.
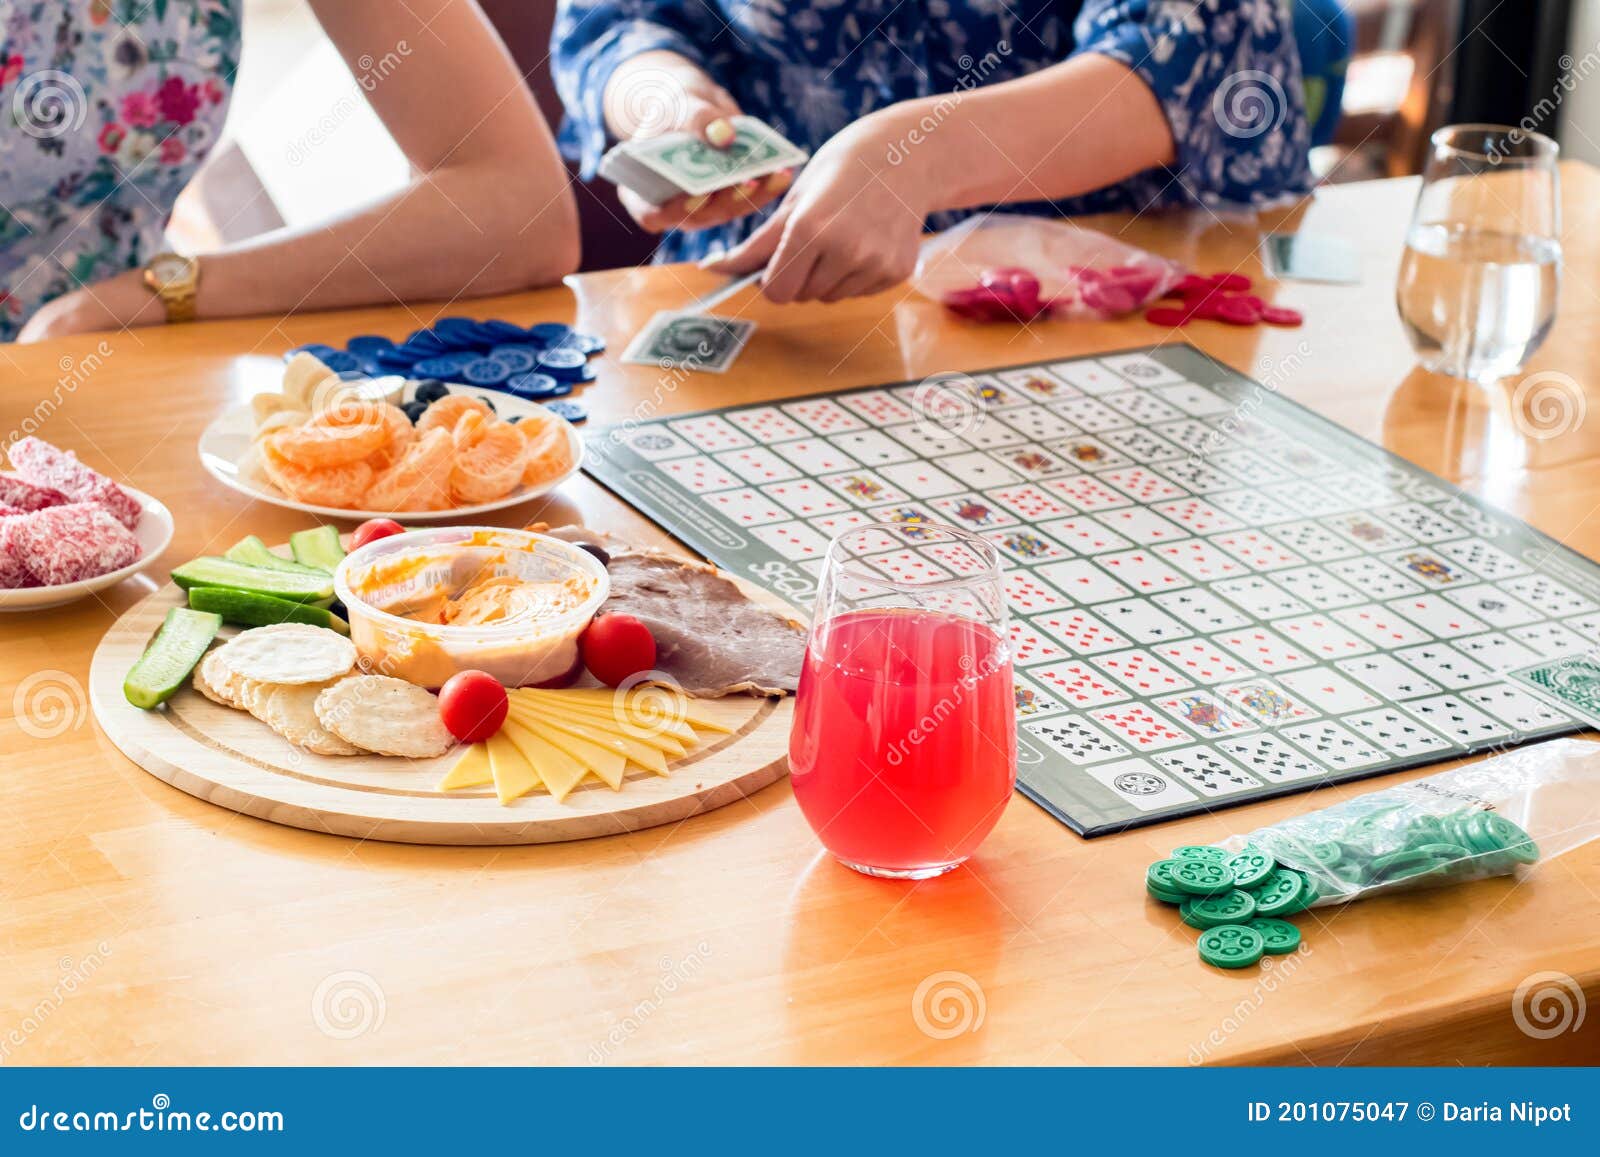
(206, 674)
(291, 711)
(251, 694)
(288, 653)
(388, 716)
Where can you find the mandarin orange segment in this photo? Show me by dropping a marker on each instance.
(418, 480)
(333, 438)
(491, 466)
(549, 450)
(341, 486)
(466, 432)
(448, 410)
(399, 434)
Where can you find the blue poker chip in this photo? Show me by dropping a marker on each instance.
(445, 366)
(549, 332)
(396, 359)
(367, 344)
(502, 331)
(571, 411)
(486, 372)
(426, 342)
(562, 363)
(316, 349)
(520, 358)
(340, 362)
(537, 387)
(586, 343)
(459, 333)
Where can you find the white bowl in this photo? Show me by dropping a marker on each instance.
(154, 533)
(224, 442)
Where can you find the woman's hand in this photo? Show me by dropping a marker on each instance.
(662, 92)
(851, 226)
(116, 303)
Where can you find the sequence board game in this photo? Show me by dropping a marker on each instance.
(1216, 596)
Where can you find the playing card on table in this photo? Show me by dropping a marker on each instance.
(1079, 685)
(1421, 522)
(1260, 597)
(1256, 549)
(1247, 466)
(699, 474)
(871, 447)
(1366, 531)
(1332, 745)
(1381, 626)
(823, 415)
(1140, 524)
(1195, 437)
(1146, 446)
(1084, 535)
(673, 164)
(1329, 690)
(1548, 595)
(921, 479)
(1078, 740)
(1139, 726)
(1493, 605)
(1193, 474)
(861, 487)
(1271, 758)
(673, 340)
(1033, 700)
(710, 433)
(1085, 492)
(1142, 484)
(1198, 516)
(977, 469)
(1395, 732)
(1455, 718)
(1519, 709)
(1265, 702)
(1573, 681)
(1026, 545)
(1140, 783)
(1313, 540)
(793, 540)
(1038, 423)
(928, 439)
(1387, 676)
(815, 455)
(879, 407)
(1428, 567)
(914, 566)
(972, 511)
(805, 497)
(1083, 581)
(1142, 621)
(1141, 571)
(1089, 414)
(1482, 559)
(1549, 638)
(1445, 665)
(1205, 770)
(1321, 636)
(1372, 578)
(1201, 661)
(1090, 377)
(1027, 594)
(1252, 507)
(1032, 461)
(1496, 651)
(1204, 713)
(1263, 650)
(1439, 616)
(1201, 609)
(1030, 503)
(1087, 452)
(747, 507)
(1037, 383)
(1192, 399)
(1141, 672)
(1317, 587)
(1142, 407)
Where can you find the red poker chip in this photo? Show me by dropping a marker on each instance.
(1167, 315)
(1281, 315)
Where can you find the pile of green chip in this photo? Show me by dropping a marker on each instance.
(1236, 900)
(1239, 900)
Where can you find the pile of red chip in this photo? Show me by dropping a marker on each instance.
(60, 521)
(1223, 297)
(1013, 294)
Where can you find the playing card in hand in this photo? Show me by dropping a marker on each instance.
(682, 164)
(689, 341)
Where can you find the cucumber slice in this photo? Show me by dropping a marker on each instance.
(318, 547)
(165, 665)
(251, 551)
(297, 586)
(252, 610)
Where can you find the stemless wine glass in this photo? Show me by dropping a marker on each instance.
(903, 752)
(1482, 264)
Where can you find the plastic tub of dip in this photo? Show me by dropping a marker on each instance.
(428, 603)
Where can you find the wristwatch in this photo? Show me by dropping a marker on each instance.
(173, 278)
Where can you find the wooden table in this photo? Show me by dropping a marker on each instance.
(142, 926)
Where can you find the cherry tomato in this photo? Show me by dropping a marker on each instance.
(373, 529)
(616, 647)
(472, 706)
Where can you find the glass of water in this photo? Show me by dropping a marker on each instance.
(1482, 264)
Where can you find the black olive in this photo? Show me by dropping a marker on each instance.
(595, 549)
(430, 390)
(415, 410)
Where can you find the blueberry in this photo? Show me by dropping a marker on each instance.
(514, 419)
(414, 411)
(595, 549)
(430, 390)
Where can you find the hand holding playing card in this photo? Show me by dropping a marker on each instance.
(656, 93)
(851, 225)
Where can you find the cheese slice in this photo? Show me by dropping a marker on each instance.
(607, 763)
(606, 718)
(559, 771)
(515, 774)
(641, 751)
(605, 701)
(471, 770)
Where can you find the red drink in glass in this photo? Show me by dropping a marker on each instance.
(903, 749)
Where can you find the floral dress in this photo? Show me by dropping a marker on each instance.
(107, 108)
(1225, 71)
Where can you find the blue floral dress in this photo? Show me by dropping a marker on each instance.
(107, 108)
(1225, 71)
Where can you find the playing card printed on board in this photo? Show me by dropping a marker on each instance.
(1141, 369)
(1082, 632)
(766, 424)
(1205, 770)
(1203, 712)
(871, 447)
(1140, 783)
(1079, 685)
(1318, 587)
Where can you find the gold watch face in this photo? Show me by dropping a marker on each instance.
(168, 269)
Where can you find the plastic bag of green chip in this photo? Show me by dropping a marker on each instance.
(1489, 819)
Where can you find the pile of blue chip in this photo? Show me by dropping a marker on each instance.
(537, 363)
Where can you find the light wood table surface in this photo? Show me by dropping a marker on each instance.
(141, 926)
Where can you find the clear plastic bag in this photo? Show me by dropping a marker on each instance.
(1492, 818)
(1009, 267)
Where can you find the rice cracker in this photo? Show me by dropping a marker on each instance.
(385, 715)
(286, 653)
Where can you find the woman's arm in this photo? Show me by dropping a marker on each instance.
(488, 211)
(1205, 94)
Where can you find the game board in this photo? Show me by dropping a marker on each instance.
(1217, 596)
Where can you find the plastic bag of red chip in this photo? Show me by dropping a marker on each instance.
(1015, 268)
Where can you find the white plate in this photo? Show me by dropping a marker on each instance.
(225, 441)
(154, 533)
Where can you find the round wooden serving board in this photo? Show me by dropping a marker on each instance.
(232, 759)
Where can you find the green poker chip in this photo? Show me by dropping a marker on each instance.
(1250, 867)
(1283, 892)
(1202, 877)
(1173, 898)
(1232, 907)
(1158, 876)
(1278, 937)
(1231, 946)
(1200, 852)
(1326, 852)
